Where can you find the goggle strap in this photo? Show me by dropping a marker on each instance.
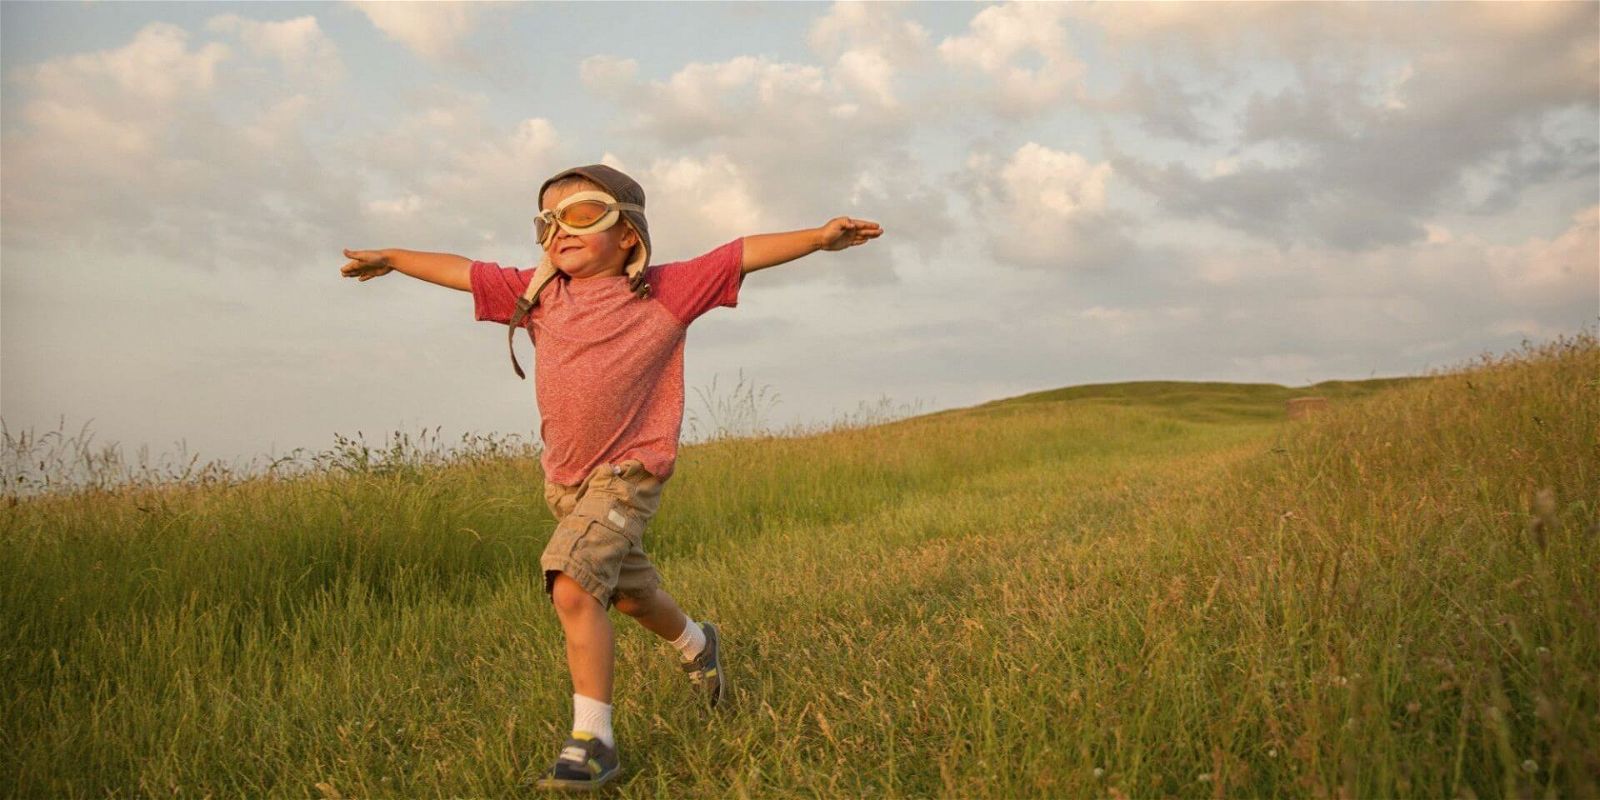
(511, 342)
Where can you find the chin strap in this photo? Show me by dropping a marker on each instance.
(542, 276)
(637, 285)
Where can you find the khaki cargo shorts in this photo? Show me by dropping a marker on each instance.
(599, 536)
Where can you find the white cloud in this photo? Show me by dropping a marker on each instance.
(733, 96)
(100, 116)
(705, 100)
(1396, 308)
(432, 30)
(868, 74)
(278, 125)
(1208, 27)
(156, 67)
(404, 207)
(1534, 47)
(1064, 185)
(527, 145)
(298, 43)
(609, 74)
(215, 153)
(697, 203)
(752, 96)
(796, 131)
(869, 26)
(1391, 115)
(1549, 271)
(155, 146)
(447, 176)
(1023, 48)
(64, 130)
(1046, 208)
(871, 45)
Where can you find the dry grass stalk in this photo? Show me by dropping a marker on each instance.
(1303, 407)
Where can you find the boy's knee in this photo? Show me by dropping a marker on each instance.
(632, 605)
(570, 597)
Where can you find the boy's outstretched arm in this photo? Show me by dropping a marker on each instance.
(770, 249)
(444, 269)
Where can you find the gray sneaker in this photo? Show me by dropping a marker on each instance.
(585, 763)
(705, 671)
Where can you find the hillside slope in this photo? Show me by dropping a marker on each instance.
(1205, 400)
(1141, 590)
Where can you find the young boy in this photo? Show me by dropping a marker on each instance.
(609, 332)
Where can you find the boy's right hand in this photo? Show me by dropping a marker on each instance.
(365, 264)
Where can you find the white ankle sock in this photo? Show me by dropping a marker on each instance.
(593, 716)
(691, 641)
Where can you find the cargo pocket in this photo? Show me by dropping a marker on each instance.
(640, 492)
(618, 518)
(600, 551)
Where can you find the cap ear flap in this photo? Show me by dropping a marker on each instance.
(635, 268)
(637, 259)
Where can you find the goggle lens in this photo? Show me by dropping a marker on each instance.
(582, 214)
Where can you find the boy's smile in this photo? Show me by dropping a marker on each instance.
(590, 255)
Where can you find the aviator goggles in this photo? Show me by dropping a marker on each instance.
(581, 213)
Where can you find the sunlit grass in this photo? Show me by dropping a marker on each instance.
(1137, 589)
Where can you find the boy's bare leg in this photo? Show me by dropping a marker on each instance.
(591, 654)
(698, 647)
(657, 612)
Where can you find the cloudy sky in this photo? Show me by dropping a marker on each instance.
(1070, 193)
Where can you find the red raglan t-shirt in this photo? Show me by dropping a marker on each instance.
(608, 366)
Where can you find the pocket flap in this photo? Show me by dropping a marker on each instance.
(615, 518)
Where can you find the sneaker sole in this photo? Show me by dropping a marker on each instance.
(722, 675)
(563, 785)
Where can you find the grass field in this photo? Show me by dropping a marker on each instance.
(1128, 590)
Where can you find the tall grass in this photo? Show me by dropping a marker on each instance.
(1134, 590)
(62, 462)
(744, 411)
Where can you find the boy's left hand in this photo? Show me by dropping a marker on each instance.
(842, 232)
(770, 249)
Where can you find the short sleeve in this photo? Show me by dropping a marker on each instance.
(495, 290)
(690, 288)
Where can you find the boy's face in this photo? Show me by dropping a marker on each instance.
(589, 255)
